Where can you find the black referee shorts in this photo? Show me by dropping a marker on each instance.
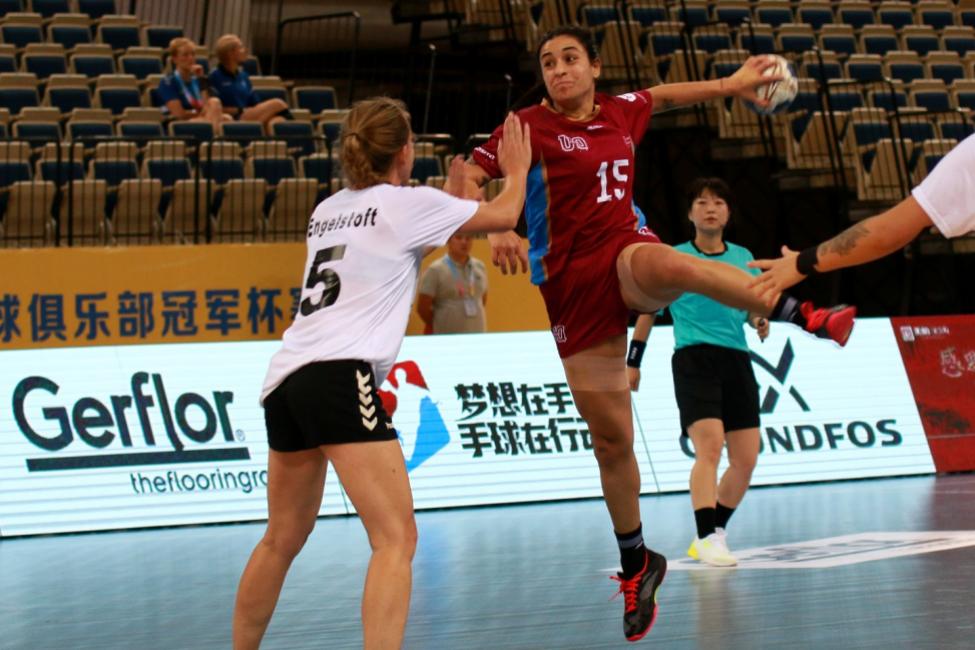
(715, 382)
(326, 403)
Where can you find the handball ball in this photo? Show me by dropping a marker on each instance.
(778, 93)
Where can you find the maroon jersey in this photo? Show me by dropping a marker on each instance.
(580, 187)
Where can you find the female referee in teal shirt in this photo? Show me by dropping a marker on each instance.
(713, 380)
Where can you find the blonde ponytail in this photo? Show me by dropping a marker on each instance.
(374, 131)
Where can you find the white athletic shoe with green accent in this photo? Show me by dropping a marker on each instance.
(712, 550)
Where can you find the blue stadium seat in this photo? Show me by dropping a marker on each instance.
(775, 16)
(845, 99)
(916, 130)
(594, 16)
(44, 65)
(192, 131)
(11, 6)
(878, 39)
(273, 170)
(425, 167)
(648, 15)
(48, 8)
(118, 99)
(905, 69)
(68, 99)
(169, 170)
(297, 134)
(97, 8)
(12, 172)
(956, 130)
(140, 66)
(161, 35)
(711, 42)
(120, 37)
(318, 167)
(21, 34)
(61, 172)
(14, 99)
(961, 40)
(37, 133)
(932, 99)
(221, 170)
(817, 16)
(937, 17)
(265, 94)
(733, 16)
(87, 131)
(92, 65)
(693, 16)
(114, 172)
(920, 39)
(856, 14)
(315, 98)
(966, 98)
(865, 67)
(252, 66)
(896, 16)
(885, 100)
(945, 68)
(796, 40)
(966, 16)
(69, 35)
(842, 43)
(243, 132)
(332, 128)
(8, 63)
(757, 43)
(140, 131)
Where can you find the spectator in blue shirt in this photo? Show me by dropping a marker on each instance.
(184, 91)
(232, 85)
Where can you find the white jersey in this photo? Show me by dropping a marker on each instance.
(947, 194)
(364, 251)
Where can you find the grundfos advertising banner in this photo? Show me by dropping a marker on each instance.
(120, 437)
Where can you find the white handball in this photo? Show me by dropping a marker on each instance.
(778, 93)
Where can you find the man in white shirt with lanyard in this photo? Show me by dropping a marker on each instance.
(945, 200)
(453, 291)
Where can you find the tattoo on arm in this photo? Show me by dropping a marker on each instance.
(845, 242)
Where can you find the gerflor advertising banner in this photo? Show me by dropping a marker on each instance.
(133, 436)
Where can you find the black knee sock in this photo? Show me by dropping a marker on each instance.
(787, 309)
(633, 553)
(704, 518)
(722, 514)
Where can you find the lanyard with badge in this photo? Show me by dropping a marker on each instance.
(191, 92)
(466, 292)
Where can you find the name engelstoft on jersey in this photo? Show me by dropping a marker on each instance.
(318, 227)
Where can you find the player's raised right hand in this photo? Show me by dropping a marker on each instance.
(515, 148)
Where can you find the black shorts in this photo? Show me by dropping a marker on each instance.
(715, 382)
(326, 403)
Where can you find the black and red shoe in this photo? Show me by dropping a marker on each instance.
(640, 596)
(834, 323)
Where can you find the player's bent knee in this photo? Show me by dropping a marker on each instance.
(286, 543)
(635, 292)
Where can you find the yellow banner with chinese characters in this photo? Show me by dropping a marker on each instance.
(65, 297)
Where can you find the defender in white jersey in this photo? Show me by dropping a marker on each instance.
(945, 199)
(320, 401)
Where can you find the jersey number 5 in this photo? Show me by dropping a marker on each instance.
(618, 192)
(327, 277)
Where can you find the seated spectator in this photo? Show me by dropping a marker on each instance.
(184, 91)
(453, 291)
(232, 85)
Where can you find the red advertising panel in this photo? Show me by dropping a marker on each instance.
(939, 355)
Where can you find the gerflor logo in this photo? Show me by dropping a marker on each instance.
(119, 429)
(780, 372)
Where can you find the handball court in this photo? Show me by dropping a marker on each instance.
(534, 577)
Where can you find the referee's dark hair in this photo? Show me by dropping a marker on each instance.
(711, 184)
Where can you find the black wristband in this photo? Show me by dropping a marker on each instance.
(806, 261)
(635, 356)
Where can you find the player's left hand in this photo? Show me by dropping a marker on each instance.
(750, 76)
(779, 275)
(455, 177)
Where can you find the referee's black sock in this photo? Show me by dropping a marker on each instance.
(705, 520)
(787, 309)
(633, 553)
(722, 514)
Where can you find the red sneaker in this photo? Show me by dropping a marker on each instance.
(834, 323)
(640, 596)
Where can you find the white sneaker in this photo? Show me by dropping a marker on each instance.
(712, 550)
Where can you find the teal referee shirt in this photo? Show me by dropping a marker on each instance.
(700, 320)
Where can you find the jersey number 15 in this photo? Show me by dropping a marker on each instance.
(618, 192)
